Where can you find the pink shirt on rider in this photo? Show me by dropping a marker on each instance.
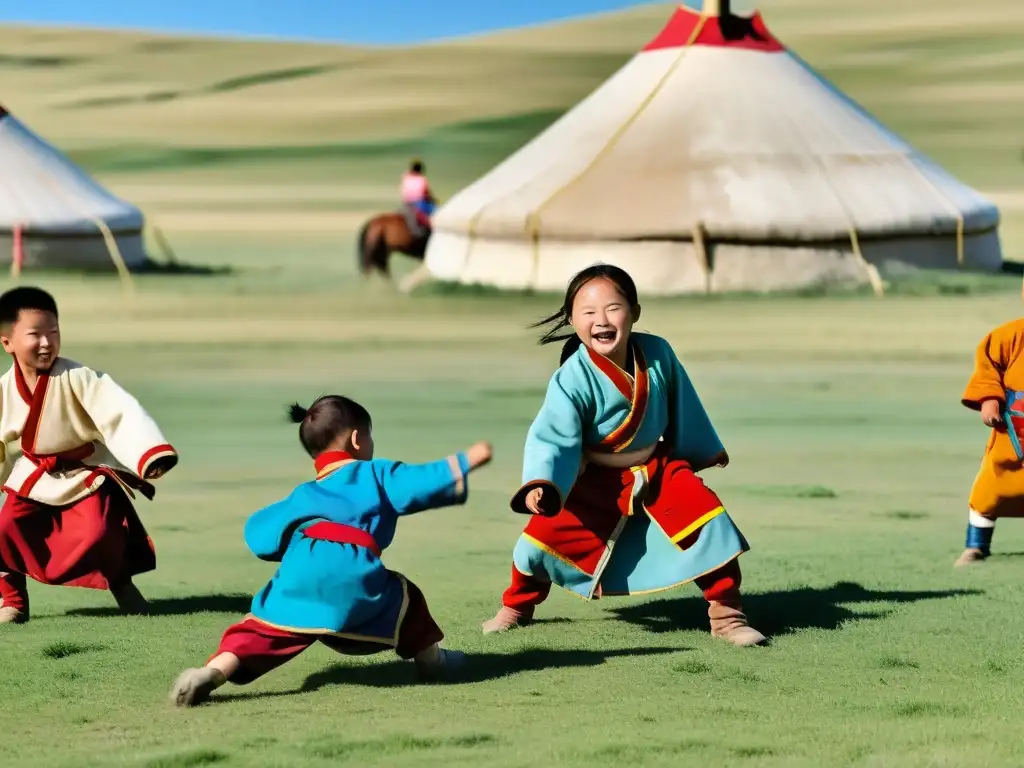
(414, 187)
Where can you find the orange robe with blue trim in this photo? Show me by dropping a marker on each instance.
(998, 489)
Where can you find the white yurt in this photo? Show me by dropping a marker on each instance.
(714, 160)
(65, 218)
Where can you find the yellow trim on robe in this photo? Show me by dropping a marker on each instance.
(602, 564)
(405, 607)
(331, 468)
(613, 436)
(545, 548)
(673, 586)
(392, 641)
(697, 524)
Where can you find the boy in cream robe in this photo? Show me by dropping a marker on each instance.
(73, 446)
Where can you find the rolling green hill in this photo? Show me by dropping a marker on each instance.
(210, 133)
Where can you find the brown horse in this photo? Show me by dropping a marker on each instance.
(384, 234)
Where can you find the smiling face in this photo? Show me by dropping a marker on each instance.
(33, 339)
(603, 319)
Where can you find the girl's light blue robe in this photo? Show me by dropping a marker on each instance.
(592, 406)
(343, 589)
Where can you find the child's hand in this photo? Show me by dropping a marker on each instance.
(990, 413)
(533, 500)
(479, 454)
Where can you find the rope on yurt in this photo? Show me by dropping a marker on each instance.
(953, 208)
(127, 284)
(851, 226)
(162, 241)
(115, 253)
(533, 219)
(853, 105)
(870, 269)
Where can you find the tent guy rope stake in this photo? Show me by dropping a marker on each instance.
(17, 251)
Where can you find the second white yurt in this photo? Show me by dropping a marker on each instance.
(714, 160)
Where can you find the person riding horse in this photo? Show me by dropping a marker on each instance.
(406, 231)
(417, 199)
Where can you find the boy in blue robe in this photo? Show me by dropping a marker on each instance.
(610, 471)
(328, 535)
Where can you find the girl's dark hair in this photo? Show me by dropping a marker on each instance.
(562, 318)
(327, 418)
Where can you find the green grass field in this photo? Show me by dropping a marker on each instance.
(851, 464)
(852, 457)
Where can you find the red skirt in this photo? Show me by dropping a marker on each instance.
(261, 647)
(97, 542)
(676, 499)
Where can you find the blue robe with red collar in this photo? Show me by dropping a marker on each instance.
(344, 589)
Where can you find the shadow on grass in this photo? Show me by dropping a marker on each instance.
(774, 613)
(151, 267)
(180, 606)
(782, 612)
(480, 667)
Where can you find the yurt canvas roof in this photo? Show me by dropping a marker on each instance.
(43, 191)
(714, 159)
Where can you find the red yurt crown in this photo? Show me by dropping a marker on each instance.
(715, 26)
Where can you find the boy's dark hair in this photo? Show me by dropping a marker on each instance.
(416, 167)
(16, 300)
(561, 319)
(327, 418)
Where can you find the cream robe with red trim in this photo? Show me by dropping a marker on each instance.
(78, 411)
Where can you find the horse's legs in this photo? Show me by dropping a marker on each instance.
(381, 257)
(368, 244)
(375, 258)
(414, 279)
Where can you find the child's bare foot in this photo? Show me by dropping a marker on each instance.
(438, 663)
(194, 686)
(11, 615)
(969, 556)
(506, 619)
(130, 600)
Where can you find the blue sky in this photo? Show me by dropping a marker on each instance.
(362, 21)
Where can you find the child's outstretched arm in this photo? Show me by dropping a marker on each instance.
(412, 488)
(128, 431)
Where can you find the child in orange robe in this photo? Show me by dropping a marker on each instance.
(996, 389)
